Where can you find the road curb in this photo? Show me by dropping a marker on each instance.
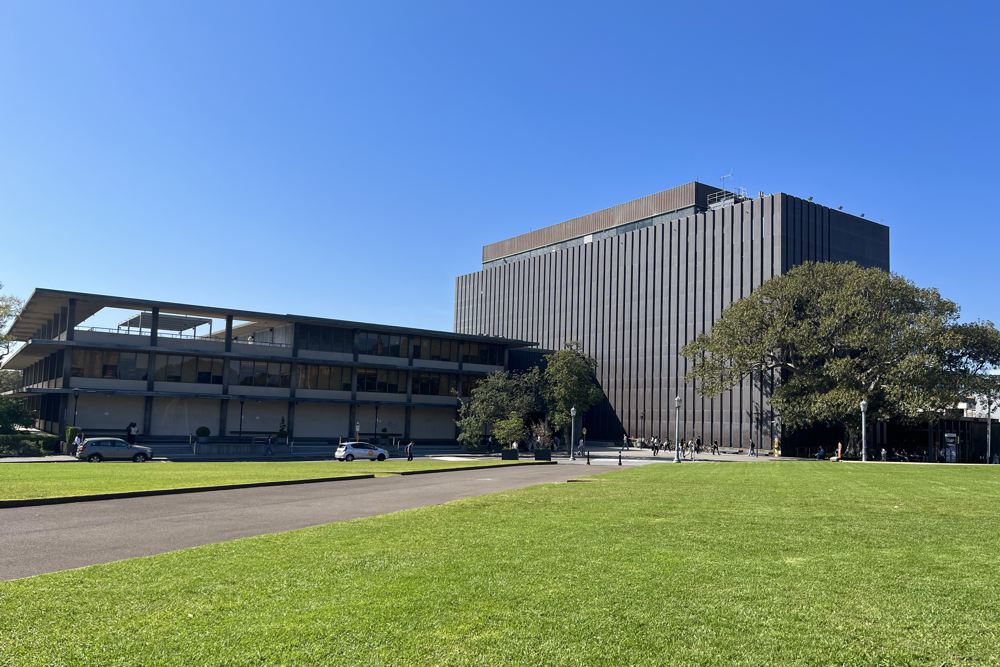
(406, 473)
(59, 500)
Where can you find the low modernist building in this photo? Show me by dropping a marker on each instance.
(172, 368)
(636, 282)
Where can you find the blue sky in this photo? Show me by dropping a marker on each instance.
(350, 159)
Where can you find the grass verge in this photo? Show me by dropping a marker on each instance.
(778, 563)
(20, 481)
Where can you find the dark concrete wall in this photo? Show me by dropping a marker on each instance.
(633, 300)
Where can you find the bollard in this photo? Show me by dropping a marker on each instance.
(588, 458)
(619, 458)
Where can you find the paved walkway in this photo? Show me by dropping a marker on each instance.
(34, 540)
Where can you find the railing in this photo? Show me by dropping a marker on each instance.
(181, 336)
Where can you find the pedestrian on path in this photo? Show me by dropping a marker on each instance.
(715, 447)
(409, 451)
(77, 441)
(752, 448)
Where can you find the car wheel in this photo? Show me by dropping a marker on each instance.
(140, 458)
(381, 457)
(95, 458)
(349, 457)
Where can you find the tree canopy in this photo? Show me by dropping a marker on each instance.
(509, 404)
(569, 382)
(10, 306)
(824, 336)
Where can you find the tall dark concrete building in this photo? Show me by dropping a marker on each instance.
(636, 282)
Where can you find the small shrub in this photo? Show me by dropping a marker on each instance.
(203, 432)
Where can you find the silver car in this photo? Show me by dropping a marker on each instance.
(96, 450)
(349, 451)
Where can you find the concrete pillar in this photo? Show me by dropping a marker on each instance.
(154, 328)
(229, 333)
(71, 319)
(147, 415)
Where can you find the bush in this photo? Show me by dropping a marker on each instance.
(17, 445)
(203, 432)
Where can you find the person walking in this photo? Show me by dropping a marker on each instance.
(130, 433)
(655, 446)
(77, 441)
(625, 441)
(715, 447)
(752, 448)
(883, 454)
(409, 451)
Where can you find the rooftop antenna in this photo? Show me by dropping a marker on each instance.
(724, 177)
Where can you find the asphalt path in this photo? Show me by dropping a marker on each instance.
(46, 538)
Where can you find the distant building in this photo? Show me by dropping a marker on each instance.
(168, 369)
(636, 282)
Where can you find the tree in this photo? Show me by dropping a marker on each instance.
(9, 308)
(824, 336)
(14, 414)
(979, 358)
(570, 381)
(499, 396)
(510, 429)
(9, 380)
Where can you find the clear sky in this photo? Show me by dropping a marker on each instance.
(350, 159)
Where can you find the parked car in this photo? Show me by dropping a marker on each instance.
(100, 449)
(348, 451)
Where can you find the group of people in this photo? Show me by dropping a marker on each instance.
(689, 448)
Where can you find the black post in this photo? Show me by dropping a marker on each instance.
(241, 420)
(76, 402)
(588, 457)
(619, 458)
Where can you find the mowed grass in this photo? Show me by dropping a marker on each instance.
(20, 481)
(729, 563)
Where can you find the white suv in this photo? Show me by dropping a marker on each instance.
(348, 451)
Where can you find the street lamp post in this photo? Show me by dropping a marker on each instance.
(677, 429)
(572, 433)
(357, 430)
(76, 403)
(642, 424)
(864, 431)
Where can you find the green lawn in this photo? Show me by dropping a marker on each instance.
(46, 480)
(729, 563)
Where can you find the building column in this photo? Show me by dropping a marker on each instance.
(147, 415)
(71, 319)
(229, 333)
(154, 327)
(290, 422)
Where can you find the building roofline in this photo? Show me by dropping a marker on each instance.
(45, 302)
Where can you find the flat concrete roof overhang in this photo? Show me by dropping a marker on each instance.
(45, 303)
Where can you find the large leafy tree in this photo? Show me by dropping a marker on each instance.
(13, 412)
(10, 306)
(569, 381)
(979, 358)
(503, 396)
(824, 336)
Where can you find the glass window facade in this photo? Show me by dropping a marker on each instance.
(181, 368)
(251, 373)
(383, 344)
(435, 349)
(325, 339)
(109, 365)
(482, 353)
(330, 378)
(382, 380)
(435, 384)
